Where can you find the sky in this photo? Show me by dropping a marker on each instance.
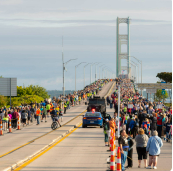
(31, 39)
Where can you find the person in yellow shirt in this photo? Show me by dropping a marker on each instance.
(79, 99)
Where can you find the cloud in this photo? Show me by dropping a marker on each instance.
(74, 23)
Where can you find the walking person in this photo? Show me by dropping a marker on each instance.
(106, 132)
(44, 115)
(153, 123)
(153, 147)
(124, 146)
(65, 107)
(168, 128)
(159, 125)
(38, 113)
(141, 143)
(29, 115)
(5, 120)
(130, 152)
(111, 103)
(24, 116)
(15, 116)
(60, 113)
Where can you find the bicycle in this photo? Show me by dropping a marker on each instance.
(54, 124)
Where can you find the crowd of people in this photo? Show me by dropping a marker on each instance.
(54, 108)
(141, 122)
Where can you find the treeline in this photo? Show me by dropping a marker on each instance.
(25, 95)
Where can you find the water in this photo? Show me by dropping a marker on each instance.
(56, 93)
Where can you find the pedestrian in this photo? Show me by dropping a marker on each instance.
(38, 113)
(65, 107)
(44, 115)
(128, 123)
(106, 132)
(141, 143)
(153, 122)
(24, 116)
(136, 126)
(111, 103)
(124, 146)
(168, 128)
(32, 113)
(132, 127)
(60, 113)
(5, 120)
(159, 125)
(48, 106)
(15, 116)
(164, 121)
(146, 126)
(107, 99)
(130, 152)
(153, 147)
(29, 115)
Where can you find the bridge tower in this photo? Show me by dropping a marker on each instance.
(123, 39)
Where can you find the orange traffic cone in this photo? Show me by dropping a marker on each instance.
(10, 130)
(112, 160)
(1, 131)
(18, 123)
(118, 159)
(110, 141)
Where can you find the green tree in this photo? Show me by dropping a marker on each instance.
(3, 101)
(21, 91)
(159, 95)
(32, 90)
(165, 76)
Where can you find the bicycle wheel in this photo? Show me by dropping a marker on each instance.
(54, 125)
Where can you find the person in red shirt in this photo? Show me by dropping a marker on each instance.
(15, 116)
(159, 125)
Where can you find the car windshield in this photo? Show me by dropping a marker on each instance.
(93, 114)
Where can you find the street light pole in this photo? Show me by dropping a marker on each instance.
(96, 71)
(99, 70)
(91, 72)
(84, 72)
(75, 72)
(63, 67)
(141, 71)
(140, 61)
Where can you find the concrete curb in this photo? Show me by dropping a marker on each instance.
(19, 163)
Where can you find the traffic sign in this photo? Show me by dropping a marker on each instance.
(130, 106)
(150, 90)
(163, 92)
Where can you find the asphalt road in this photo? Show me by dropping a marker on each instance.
(84, 150)
(26, 135)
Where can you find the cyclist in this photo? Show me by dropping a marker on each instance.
(55, 116)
